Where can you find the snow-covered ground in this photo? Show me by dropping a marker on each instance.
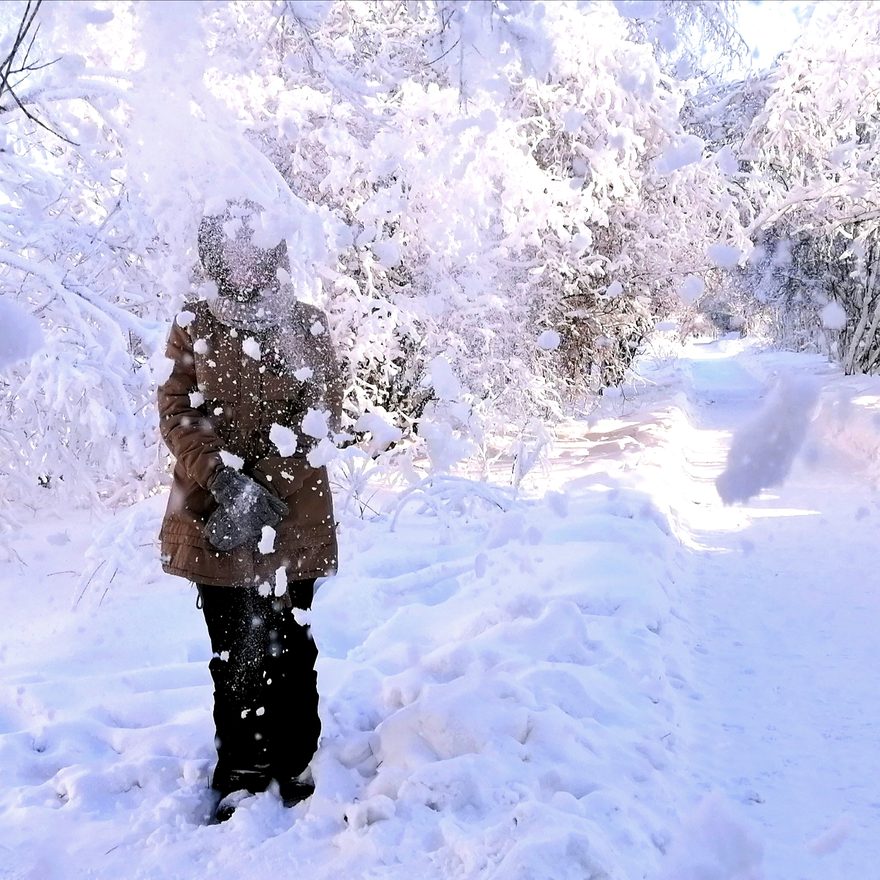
(783, 604)
(612, 675)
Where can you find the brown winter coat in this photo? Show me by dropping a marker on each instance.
(219, 398)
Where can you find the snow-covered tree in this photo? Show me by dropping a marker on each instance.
(505, 169)
(807, 136)
(492, 200)
(73, 252)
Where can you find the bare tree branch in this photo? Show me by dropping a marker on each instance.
(26, 28)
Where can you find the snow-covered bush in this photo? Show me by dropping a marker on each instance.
(499, 182)
(459, 183)
(809, 148)
(74, 251)
(106, 173)
(692, 38)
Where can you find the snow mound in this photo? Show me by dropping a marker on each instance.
(536, 703)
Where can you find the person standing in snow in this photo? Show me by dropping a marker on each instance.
(249, 520)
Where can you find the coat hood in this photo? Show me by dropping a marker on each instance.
(237, 252)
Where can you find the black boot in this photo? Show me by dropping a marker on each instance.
(293, 792)
(227, 805)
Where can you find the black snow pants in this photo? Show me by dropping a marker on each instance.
(265, 685)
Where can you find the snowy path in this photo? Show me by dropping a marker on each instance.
(786, 605)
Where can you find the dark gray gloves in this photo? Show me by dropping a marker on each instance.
(244, 508)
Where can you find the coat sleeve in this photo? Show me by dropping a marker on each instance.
(186, 430)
